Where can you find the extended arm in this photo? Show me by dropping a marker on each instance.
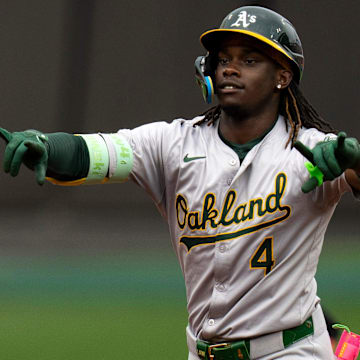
(67, 159)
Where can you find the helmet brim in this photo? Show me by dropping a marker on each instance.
(210, 38)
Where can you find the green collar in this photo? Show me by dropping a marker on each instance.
(242, 149)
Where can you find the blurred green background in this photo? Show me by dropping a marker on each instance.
(92, 307)
(126, 306)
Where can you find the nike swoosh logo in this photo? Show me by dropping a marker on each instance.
(187, 159)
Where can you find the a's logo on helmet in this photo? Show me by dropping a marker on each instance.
(244, 19)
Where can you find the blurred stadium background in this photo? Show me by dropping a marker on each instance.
(89, 273)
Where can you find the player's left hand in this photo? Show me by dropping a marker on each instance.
(330, 158)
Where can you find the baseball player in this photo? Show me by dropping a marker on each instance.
(246, 219)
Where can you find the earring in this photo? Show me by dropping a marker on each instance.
(278, 86)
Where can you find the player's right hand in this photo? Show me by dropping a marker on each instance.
(26, 147)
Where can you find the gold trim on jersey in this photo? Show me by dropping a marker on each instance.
(228, 216)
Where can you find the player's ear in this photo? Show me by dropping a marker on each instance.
(284, 78)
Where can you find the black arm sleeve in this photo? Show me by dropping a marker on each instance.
(68, 157)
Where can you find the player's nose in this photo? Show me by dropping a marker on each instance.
(231, 70)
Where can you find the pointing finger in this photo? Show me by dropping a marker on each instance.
(40, 171)
(9, 153)
(17, 159)
(341, 139)
(304, 150)
(347, 151)
(6, 135)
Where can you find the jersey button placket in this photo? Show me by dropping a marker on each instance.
(232, 162)
(221, 287)
(222, 248)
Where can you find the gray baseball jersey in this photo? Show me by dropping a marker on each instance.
(246, 237)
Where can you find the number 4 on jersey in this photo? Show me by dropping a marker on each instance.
(263, 256)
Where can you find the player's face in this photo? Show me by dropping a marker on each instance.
(245, 78)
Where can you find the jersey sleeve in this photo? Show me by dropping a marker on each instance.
(149, 145)
(331, 191)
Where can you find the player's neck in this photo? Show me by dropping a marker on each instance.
(240, 129)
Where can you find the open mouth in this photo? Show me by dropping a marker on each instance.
(230, 86)
(226, 87)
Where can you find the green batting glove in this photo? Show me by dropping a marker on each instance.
(26, 147)
(329, 159)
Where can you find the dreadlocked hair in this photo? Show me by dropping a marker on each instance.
(294, 107)
(300, 113)
(210, 116)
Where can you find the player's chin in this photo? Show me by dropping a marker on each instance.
(230, 101)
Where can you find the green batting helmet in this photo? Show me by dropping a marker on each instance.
(265, 25)
(274, 34)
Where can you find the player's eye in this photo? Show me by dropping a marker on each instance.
(223, 61)
(250, 61)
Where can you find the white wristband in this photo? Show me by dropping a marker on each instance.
(120, 157)
(99, 158)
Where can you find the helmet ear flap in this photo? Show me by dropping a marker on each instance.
(203, 78)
